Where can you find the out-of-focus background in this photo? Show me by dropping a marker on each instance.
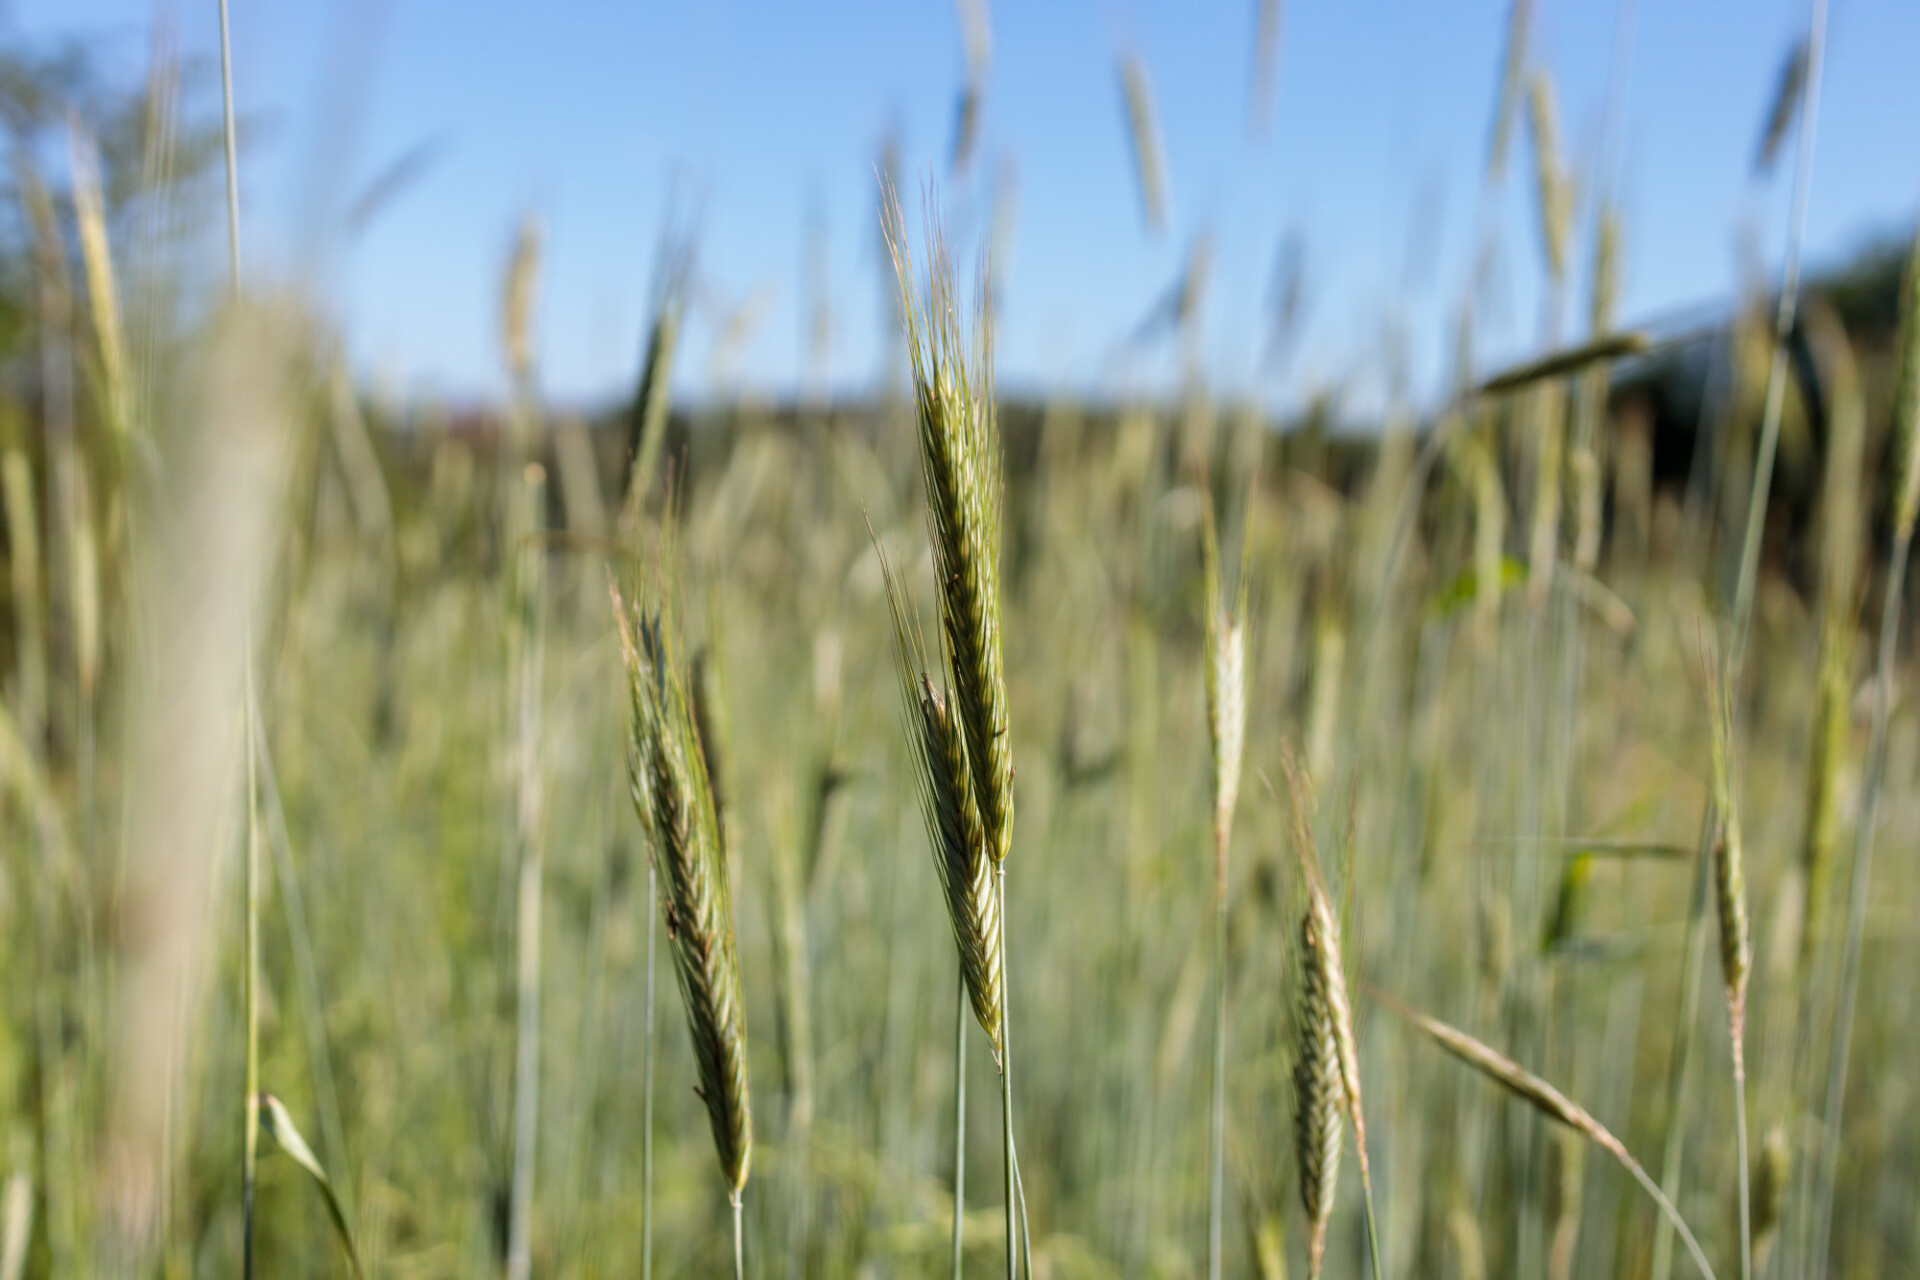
(314, 705)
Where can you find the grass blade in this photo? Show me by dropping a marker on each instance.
(277, 1124)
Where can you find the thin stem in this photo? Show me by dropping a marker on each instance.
(1026, 1223)
(1782, 327)
(959, 1122)
(233, 163)
(526, 1074)
(249, 1157)
(739, 1250)
(646, 1089)
(1740, 1150)
(1690, 967)
(1217, 1155)
(1668, 1213)
(286, 884)
(250, 1150)
(1858, 886)
(1373, 1235)
(1006, 1083)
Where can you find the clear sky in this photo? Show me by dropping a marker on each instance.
(594, 113)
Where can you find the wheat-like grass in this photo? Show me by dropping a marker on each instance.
(673, 796)
(952, 816)
(1567, 360)
(976, 35)
(1552, 190)
(521, 289)
(1317, 1090)
(1326, 1072)
(960, 465)
(1226, 632)
(1787, 92)
(1512, 75)
(1546, 1099)
(653, 396)
(1143, 134)
(1730, 909)
(1729, 874)
(1906, 402)
(89, 209)
(1266, 65)
(966, 128)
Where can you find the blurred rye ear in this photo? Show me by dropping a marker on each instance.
(1143, 133)
(1547, 1100)
(521, 289)
(674, 799)
(653, 397)
(1512, 74)
(1266, 66)
(1787, 92)
(1567, 360)
(1226, 688)
(1552, 189)
(89, 210)
(1729, 870)
(1906, 404)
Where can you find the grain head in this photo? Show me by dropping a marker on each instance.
(674, 798)
(1143, 134)
(1729, 871)
(1906, 403)
(1787, 91)
(950, 812)
(960, 467)
(1326, 1058)
(1553, 190)
(1512, 73)
(1226, 691)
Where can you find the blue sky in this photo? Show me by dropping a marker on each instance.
(592, 114)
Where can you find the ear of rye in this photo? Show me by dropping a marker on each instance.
(675, 802)
(1549, 1101)
(950, 812)
(1226, 696)
(1317, 1092)
(961, 470)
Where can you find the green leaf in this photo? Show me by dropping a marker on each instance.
(277, 1124)
(1463, 590)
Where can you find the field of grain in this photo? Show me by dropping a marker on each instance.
(705, 835)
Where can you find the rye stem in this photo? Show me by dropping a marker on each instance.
(959, 1123)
